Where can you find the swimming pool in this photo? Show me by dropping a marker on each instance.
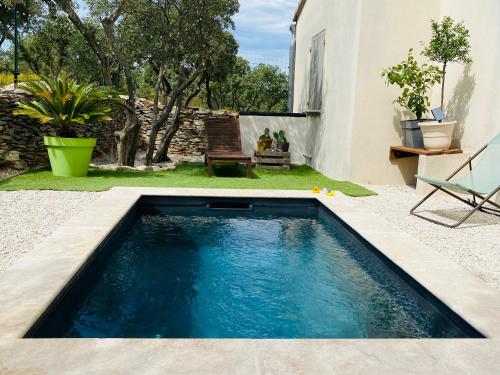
(242, 268)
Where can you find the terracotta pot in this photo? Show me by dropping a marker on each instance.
(261, 146)
(268, 142)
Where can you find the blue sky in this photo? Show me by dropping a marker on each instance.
(262, 30)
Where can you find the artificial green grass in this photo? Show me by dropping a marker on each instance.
(193, 175)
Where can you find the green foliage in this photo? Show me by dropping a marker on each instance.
(415, 80)
(7, 79)
(29, 12)
(265, 135)
(64, 102)
(280, 137)
(450, 43)
(262, 89)
(182, 36)
(57, 47)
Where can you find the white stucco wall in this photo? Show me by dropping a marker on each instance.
(329, 141)
(473, 92)
(296, 130)
(359, 122)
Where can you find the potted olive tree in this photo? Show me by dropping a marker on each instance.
(449, 44)
(415, 80)
(63, 103)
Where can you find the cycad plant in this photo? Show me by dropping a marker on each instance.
(63, 102)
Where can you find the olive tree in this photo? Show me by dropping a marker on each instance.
(183, 41)
(261, 89)
(449, 44)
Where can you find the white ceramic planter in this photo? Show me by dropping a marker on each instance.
(437, 135)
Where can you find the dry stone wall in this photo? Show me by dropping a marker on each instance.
(21, 138)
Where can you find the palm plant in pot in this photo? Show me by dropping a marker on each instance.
(449, 44)
(415, 80)
(63, 103)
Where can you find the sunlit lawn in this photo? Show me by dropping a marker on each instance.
(192, 175)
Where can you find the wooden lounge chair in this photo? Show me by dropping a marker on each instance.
(482, 183)
(223, 143)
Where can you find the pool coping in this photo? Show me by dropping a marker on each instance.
(57, 259)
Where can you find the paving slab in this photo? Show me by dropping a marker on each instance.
(29, 287)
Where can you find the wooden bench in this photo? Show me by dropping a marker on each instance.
(223, 144)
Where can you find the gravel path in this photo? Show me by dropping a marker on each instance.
(26, 217)
(475, 245)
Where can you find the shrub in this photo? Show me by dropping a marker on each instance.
(8, 78)
(415, 81)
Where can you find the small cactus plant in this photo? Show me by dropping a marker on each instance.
(280, 137)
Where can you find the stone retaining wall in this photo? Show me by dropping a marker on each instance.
(21, 138)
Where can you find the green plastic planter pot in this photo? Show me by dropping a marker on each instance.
(69, 157)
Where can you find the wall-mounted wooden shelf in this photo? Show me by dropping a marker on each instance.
(398, 152)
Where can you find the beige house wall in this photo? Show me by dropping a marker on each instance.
(473, 92)
(358, 124)
(329, 140)
(390, 29)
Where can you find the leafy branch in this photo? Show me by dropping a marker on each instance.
(415, 81)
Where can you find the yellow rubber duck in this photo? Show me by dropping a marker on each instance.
(331, 193)
(316, 190)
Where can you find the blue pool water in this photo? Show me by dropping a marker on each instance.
(284, 269)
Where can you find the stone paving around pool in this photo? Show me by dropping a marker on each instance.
(29, 285)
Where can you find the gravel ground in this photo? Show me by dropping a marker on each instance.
(29, 216)
(475, 245)
(26, 217)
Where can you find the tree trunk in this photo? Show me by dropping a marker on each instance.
(130, 133)
(125, 137)
(157, 94)
(162, 153)
(155, 128)
(442, 86)
(209, 92)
